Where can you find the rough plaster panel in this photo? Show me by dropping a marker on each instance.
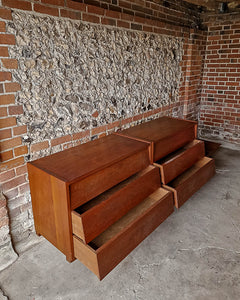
(68, 70)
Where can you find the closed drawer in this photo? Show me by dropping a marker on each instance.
(178, 162)
(171, 143)
(185, 185)
(100, 181)
(114, 244)
(95, 216)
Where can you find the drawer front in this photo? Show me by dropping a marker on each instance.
(128, 234)
(191, 180)
(180, 161)
(172, 143)
(95, 184)
(91, 219)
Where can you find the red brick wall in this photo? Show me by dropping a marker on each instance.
(192, 67)
(220, 106)
(167, 17)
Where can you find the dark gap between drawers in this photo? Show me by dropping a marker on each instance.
(174, 154)
(105, 195)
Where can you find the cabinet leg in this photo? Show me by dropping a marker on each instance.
(70, 258)
(38, 233)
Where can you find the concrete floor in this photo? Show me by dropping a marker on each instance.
(194, 254)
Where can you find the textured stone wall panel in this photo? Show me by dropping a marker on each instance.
(70, 70)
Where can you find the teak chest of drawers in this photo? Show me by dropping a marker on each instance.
(98, 201)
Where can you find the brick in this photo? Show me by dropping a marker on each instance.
(9, 63)
(53, 2)
(5, 76)
(2, 26)
(113, 14)
(15, 110)
(13, 183)
(11, 164)
(98, 130)
(114, 125)
(11, 143)
(136, 26)
(138, 117)
(95, 114)
(91, 18)
(80, 135)
(126, 121)
(24, 188)
(21, 170)
(95, 10)
(7, 155)
(20, 130)
(123, 24)
(107, 21)
(7, 99)
(23, 5)
(7, 39)
(12, 87)
(39, 146)
(5, 176)
(61, 140)
(4, 52)
(125, 4)
(127, 17)
(147, 28)
(5, 134)
(20, 151)
(5, 14)
(7, 122)
(46, 10)
(76, 5)
(11, 194)
(3, 112)
(75, 15)
(1, 88)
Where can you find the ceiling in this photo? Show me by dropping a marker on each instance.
(218, 5)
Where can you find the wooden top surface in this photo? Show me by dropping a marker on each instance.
(85, 159)
(157, 129)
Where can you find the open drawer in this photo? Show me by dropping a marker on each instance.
(95, 216)
(185, 185)
(176, 163)
(114, 244)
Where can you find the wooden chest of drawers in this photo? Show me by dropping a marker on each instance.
(96, 202)
(90, 199)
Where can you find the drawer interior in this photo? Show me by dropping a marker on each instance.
(127, 219)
